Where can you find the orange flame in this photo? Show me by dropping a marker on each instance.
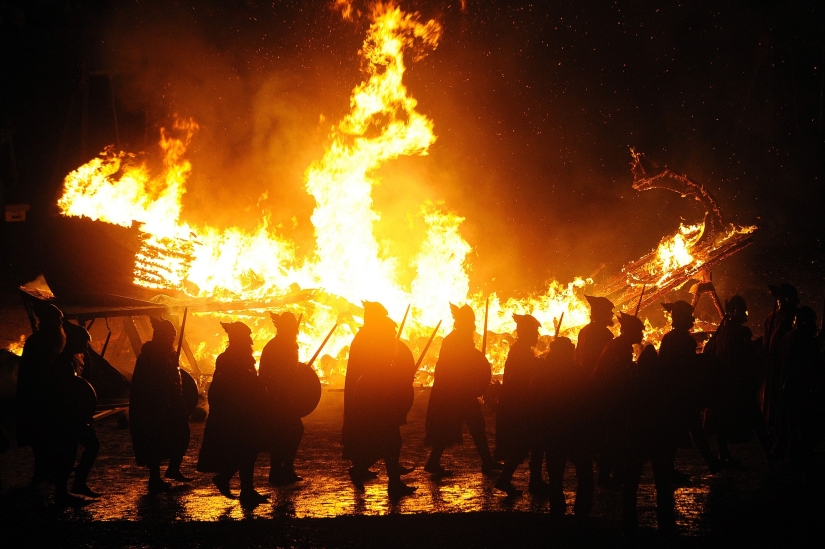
(348, 264)
(16, 347)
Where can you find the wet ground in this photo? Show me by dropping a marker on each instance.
(325, 510)
(759, 505)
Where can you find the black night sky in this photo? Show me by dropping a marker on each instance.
(535, 106)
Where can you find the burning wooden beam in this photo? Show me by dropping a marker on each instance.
(707, 245)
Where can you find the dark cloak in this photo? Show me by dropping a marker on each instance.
(157, 410)
(39, 353)
(278, 372)
(380, 397)
(516, 417)
(460, 377)
(234, 429)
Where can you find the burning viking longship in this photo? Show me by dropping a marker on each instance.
(136, 250)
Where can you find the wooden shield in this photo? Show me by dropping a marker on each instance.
(307, 390)
(190, 391)
(84, 398)
(406, 397)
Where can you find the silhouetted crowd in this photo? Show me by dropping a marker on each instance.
(609, 401)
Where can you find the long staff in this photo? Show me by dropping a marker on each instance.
(182, 328)
(312, 360)
(558, 324)
(427, 346)
(639, 304)
(484, 337)
(403, 321)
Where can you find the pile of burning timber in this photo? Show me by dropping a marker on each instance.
(100, 270)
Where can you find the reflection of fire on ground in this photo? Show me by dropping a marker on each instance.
(200, 266)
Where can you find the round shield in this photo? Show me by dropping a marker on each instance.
(84, 398)
(190, 391)
(406, 397)
(307, 391)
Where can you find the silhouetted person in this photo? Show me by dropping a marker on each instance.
(559, 389)
(157, 410)
(39, 353)
(233, 434)
(683, 368)
(73, 403)
(803, 396)
(778, 324)
(608, 396)
(361, 357)
(650, 436)
(278, 371)
(461, 375)
(377, 397)
(516, 416)
(736, 411)
(594, 337)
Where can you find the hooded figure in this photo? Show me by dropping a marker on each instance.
(608, 389)
(39, 353)
(157, 411)
(778, 324)
(233, 434)
(594, 337)
(280, 375)
(461, 374)
(683, 368)
(378, 382)
(515, 418)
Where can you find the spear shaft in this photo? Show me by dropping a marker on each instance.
(427, 346)
(639, 304)
(182, 328)
(312, 360)
(401, 327)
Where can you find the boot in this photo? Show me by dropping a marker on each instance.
(251, 498)
(397, 489)
(221, 482)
